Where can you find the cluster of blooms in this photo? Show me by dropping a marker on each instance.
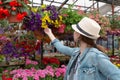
(48, 73)
(30, 64)
(114, 32)
(32, 22)
(23, 48)
(50, 61)
(43, 17)
(3, 41)
(6, 75)
(28, 61)
(13, 7)
(8, 49)
(27, 47)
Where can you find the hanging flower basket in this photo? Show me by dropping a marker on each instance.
(38, 34)
(9, 8)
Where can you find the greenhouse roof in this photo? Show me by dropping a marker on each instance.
(104, 6)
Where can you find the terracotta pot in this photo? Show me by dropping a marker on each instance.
(13, 19)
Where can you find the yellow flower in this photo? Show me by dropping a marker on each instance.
(46, 17)
(60, 18)
(44, 25)
(34, 9)
(43, 6)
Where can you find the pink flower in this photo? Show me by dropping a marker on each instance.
(61, 28)
(38, 74)
(25, 78)
(50, 71)
(41, 73)
(28, 61)
(58, 74)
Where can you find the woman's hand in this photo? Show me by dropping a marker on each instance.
(48, 31)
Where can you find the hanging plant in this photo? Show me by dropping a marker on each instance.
(115, 22)
(70, 17)
(17, 8)
(114, 25)
(41, 18)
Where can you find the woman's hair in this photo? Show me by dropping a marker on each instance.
(92, 43)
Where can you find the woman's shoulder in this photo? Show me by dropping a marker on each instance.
(94, 52)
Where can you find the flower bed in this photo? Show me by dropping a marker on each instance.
(48, 73)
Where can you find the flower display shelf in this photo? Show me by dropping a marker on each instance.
(4, 64)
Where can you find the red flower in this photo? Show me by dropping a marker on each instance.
(53, 60)
(14, 3)
(3, 13)
(17, 45)
(24, 13)
(45, 60)
(26, 1)
(8, 78)
(20, 16)
(23, 43)
(37, 45)
(6, 12)
(61, 28)
(5, 78)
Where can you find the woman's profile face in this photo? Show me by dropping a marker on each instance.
(76, 35)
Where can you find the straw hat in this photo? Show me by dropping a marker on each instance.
(88, 27)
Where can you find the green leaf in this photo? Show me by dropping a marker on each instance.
(8, 6)
(13, 12)
(30, 78)
(4, 23)
(7, 1)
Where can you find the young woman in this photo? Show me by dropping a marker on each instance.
(87, 61)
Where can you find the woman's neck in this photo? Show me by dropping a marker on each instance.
(83, 45)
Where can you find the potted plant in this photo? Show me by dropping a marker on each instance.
(70, 16)
(15, 9)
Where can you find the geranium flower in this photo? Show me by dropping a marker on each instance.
(51, 61)
(14, 7)
(47, 74)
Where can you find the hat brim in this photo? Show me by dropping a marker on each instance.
(76, 29)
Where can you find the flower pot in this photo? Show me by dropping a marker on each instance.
(13, 19)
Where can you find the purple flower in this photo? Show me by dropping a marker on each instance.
(32, 22)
